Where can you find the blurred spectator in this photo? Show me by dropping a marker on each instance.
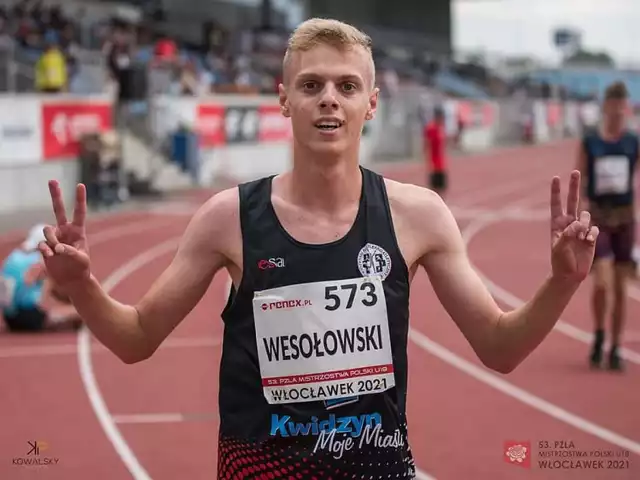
(215, 38)
(5, 32)
(166, 49)
(246, 79)
(51, 70)
(190, 80)
(118, 52)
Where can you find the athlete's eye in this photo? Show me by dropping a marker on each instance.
(309, 85)
(349, 87)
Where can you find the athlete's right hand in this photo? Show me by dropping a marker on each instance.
(66, 250)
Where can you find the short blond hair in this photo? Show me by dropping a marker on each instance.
(326, 31)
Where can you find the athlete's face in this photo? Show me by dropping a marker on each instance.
(615, 112)
(329, 94)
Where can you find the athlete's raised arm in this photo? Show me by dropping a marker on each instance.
(134, 332)
(503, 339)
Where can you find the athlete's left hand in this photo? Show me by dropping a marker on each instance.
(573, 238)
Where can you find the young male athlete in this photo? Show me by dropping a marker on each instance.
(607, 159)
(28, 300)
(313, 377)
(435, 139)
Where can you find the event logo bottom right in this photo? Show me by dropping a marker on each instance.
(564, 455)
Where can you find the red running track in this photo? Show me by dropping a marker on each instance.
(102, 419)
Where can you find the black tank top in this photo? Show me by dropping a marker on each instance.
(610, 169)
(356, 435)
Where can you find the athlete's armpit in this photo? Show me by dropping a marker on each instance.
(200, 255)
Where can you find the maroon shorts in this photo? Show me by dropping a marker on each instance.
(616, 241)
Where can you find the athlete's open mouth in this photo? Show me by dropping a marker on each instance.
(329, 124)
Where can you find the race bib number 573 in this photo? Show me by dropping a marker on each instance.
(324, 340)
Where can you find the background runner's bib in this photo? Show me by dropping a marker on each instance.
(7, 289)
(323, 340)
(611, 175)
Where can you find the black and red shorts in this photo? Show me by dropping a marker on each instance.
(617, 235)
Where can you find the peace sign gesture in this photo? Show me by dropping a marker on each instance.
(66, 252)
(573, 239)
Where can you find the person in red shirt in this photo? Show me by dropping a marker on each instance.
(435, 150)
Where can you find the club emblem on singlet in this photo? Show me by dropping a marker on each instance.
(374, 260)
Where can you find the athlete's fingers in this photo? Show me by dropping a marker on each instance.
(573, 195)
(50, 235)
(58, 203)
(80, 209)
(575, 230)
(585, 222)
(45, 250)
(556, 202)
(592, 236)
(67, 250)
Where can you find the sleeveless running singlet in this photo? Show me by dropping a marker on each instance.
(314, 366)
(610, 169)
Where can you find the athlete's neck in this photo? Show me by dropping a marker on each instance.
(325, 184)
(611, 132)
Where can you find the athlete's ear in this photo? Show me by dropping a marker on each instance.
(373, 104)
(284, 101)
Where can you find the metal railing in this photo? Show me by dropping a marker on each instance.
(17, 73)
(18, 70)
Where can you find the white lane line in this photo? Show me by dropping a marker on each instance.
(85, 362)
(520, 394)
(175, 417)
(72, 348)
(500, 191)
(114, 233)
(97, 218)
(521, 214)
(148, 418)
(514, 302)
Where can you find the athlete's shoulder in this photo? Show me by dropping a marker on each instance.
(213, 231)
(220, 203)
(413, 202)
(216, 215)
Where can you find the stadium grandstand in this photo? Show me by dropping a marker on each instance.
(145, 54)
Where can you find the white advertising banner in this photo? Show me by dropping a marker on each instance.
(20, 131)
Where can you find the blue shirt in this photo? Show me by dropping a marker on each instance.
(15, 268)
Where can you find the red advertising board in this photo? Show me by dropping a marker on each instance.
(64, 124)
(274, 126)
(210, 125)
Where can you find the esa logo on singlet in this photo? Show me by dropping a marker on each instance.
(374, 260)
(271, 263)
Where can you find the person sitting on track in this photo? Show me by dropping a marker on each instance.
(313, 373)
(28, 299)
(607, 158)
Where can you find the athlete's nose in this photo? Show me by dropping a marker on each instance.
(328, 98)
